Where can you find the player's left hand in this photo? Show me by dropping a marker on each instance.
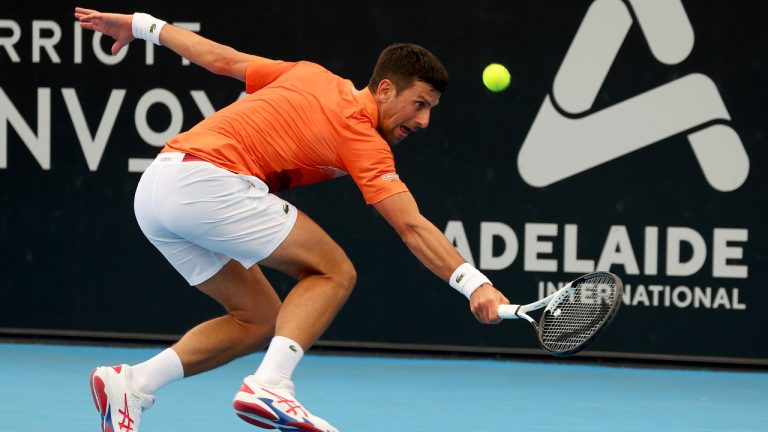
(117, 26)
(484, 303)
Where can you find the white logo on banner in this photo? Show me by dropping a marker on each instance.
(558, 146)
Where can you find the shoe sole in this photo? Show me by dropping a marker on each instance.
(261, 417)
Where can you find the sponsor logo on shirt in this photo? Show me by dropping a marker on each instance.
(390, 176)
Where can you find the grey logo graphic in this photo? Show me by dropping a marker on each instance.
(558, 146)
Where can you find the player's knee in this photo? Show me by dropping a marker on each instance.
(347, 276)
(342, 275)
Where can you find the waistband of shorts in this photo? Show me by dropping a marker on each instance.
(177, 157)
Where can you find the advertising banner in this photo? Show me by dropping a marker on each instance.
(630, 139)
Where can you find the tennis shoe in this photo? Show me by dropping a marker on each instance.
(275, 407)
(119, 404)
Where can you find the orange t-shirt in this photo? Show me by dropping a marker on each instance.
(299, 124)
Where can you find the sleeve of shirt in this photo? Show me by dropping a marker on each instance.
(369, 161)
(262, 71)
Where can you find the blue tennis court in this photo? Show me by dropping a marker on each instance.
(45, 387)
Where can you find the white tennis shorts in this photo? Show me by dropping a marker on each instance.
(200, 216)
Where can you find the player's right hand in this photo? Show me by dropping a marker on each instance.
(484, 303)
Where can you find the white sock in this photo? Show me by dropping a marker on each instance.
(282, 357)
(157, 372)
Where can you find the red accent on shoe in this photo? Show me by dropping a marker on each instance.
(117, 368)
(98, 393)
(255, 422)
(126, 422)
(254, 409)
(246, 389)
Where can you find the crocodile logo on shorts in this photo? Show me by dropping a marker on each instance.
(285, 208)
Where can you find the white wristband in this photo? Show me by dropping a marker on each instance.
(147, 27)
(466, 279)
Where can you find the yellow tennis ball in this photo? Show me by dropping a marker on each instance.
(496, 77)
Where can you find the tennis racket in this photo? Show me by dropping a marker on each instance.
(574, 315)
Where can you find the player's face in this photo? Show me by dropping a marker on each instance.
(402, 113)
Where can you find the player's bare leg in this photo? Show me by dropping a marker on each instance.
(252, 308)
(325, 281)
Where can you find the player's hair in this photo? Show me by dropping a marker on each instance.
(406, 63)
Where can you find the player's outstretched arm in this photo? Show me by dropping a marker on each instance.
(217, 58)
(434, 250)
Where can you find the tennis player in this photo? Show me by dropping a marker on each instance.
(208, 204)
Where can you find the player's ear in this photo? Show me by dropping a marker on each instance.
(385, 90)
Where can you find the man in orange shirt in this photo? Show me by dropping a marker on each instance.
(207, 203)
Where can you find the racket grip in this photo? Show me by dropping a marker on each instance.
(508, 311)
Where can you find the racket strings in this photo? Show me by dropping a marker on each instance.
(576, 318)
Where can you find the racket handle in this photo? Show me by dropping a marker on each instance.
(508, 311)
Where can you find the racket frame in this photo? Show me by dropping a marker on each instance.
(516, 311)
